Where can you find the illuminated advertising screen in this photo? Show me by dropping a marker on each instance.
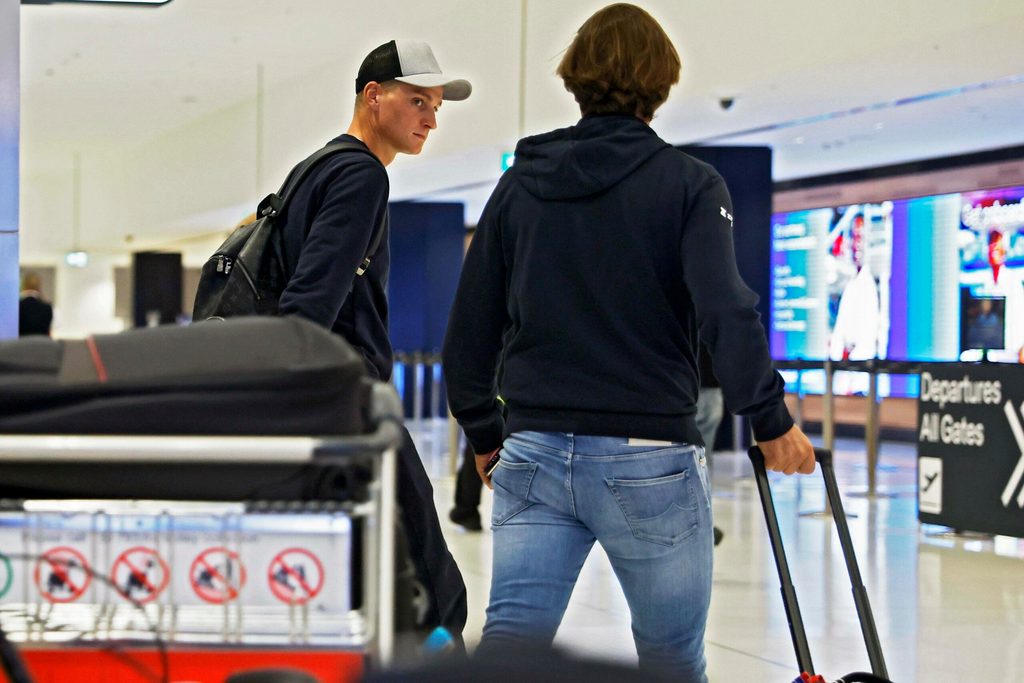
(991, 265)
(831, 282)
(884, 280)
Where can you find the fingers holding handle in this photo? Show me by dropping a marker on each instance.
(790, 453)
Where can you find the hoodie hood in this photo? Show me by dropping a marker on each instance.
(585, 159)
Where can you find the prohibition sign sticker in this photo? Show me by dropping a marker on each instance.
(6, 575)
(62, 574)
(140, 574)
(217, 575)
(296, 576)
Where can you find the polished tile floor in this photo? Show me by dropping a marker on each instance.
(947, 608)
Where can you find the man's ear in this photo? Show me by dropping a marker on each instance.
(372, 93)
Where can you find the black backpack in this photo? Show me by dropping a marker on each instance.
(247, 274)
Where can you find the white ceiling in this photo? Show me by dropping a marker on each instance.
(101, 79)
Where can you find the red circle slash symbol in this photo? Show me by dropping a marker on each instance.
(140, 574)
(296, 576)
(62, 574)
(217, 575)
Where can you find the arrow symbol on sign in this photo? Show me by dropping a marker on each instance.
(1018, 471)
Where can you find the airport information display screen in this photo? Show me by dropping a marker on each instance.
(888, 280)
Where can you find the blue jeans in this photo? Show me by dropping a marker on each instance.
(648, 506)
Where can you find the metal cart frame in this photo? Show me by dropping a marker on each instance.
(375, 503)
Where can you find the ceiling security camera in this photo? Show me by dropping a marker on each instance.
(726, 103)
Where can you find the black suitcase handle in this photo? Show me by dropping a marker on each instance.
(860, 594)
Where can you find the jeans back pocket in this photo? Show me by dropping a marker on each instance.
(512, 482)
(662, 510)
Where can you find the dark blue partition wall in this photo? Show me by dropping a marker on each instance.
(748, 174)
(426, 258)
(156, 288)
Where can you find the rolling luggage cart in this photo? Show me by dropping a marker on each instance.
(860, 596)
(199, 556)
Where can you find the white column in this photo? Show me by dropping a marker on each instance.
(9, 121)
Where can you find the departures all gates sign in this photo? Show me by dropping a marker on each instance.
(970, 447)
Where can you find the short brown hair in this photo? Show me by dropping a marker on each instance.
(620, 62)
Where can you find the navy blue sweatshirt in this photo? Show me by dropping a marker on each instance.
(599, 257)
(327, 229)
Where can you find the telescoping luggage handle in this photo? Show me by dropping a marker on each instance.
(860, 595)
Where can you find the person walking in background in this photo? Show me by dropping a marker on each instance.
(710, 409)
(600, 255)
(468, 488)
(326, 230)
(35, 314)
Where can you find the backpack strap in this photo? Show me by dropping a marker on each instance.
(275, 203)
(378, 235)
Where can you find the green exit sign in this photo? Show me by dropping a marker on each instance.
(507, 159)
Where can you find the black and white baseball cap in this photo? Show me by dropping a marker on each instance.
(412, 62)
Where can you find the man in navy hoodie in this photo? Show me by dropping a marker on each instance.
(600, 255)
(328, 228)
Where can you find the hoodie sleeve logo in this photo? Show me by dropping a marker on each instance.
(726, 215)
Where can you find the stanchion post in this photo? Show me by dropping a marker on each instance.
(400, 378)
(828, 423)
(435, 386)
(828, 431)
(417, 397)
(737, 433)
(871, 429)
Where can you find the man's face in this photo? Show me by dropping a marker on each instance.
(407, 115)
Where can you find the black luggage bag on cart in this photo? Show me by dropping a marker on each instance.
(169, 414)
(258, 376)
(860, 596)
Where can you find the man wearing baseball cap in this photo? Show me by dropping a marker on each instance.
(330, 227)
